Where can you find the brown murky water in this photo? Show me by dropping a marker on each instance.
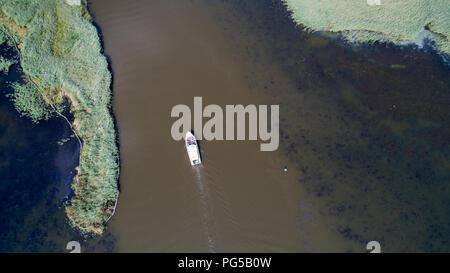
(240, 199)
(365, 142)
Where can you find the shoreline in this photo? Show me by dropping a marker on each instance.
(73, 46)
(111, 112)
(355, 28)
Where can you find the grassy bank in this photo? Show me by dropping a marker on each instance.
(398, 21)
(61, 56)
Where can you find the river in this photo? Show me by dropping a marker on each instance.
(365, 141)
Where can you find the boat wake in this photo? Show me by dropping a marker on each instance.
(206, 206)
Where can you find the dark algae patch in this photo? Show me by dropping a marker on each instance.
(64, 70)
(367, 126)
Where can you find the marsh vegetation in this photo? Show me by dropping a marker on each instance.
(61, 58)
(390, 21)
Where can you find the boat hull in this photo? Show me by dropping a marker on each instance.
(192, 149)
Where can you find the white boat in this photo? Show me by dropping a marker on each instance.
(192, 149)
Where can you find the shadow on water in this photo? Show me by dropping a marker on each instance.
(37, 165)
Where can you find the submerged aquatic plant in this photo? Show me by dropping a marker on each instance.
(392, 20)
(29, 102)
(5, 64)
(61, 56)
